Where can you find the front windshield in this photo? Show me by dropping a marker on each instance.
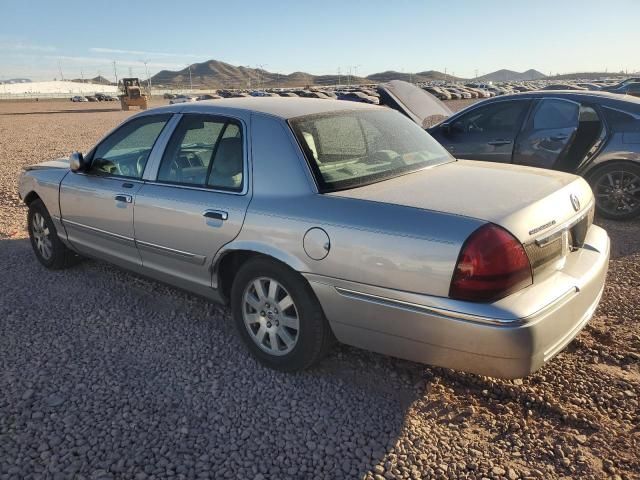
(354, 148)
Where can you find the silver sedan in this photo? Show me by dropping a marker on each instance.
(332, 220)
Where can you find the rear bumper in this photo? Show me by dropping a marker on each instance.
(510, 338)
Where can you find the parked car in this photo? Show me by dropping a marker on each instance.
(182, 99)
(169, 96)
(288, 94)
(208, 96)
(310, 234)
(79, 98)
(91, 98)
(357, 97)
(562, 86)
(592, 134)
(631, 88)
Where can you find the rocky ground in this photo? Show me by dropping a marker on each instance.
(107, 375)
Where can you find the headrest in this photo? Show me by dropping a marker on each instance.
(228, 159)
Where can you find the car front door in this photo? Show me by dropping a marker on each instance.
(548, 133)
(485, 133)
(195, 200)
(97, 205)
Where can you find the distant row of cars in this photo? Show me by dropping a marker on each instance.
(98, 97)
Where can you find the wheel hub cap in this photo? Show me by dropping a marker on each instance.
(41, 237)
(270, 316)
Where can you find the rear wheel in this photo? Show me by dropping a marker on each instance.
(278, 317)
(49, 249)
(617, 190)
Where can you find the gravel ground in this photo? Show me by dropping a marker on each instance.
(107, 375)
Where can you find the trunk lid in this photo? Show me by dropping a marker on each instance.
(420, 106)
(531, 203)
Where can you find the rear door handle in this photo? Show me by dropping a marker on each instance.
(216, 214)
(123, 198)
(499, 142)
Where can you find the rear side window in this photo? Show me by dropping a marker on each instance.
(204, 151)
(554, 113)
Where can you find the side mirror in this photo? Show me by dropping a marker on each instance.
(77, 163)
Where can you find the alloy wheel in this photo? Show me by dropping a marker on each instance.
(41, 236)
(618, 192)
(270, 316)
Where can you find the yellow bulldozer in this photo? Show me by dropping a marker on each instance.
(133, 95)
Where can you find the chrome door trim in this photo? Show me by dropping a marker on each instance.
(222, 214)
(103, 233)
(172, 252)
(153, 162)
(189, 187)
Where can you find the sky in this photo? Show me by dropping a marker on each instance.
(43, 40)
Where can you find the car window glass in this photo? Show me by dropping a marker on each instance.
(189, 153)
(502, 117)
(228, 163)
(553, 113)
(355, 148)
(340, 136)
(125, 152)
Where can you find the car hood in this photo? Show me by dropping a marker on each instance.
(526, 201)
(417, 104)
(57, 163)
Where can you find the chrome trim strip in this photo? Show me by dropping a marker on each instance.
(541, 239)
(450, 314)
(172, 252)
(104, 233)
(188, 187)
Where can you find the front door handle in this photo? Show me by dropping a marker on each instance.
(215, 214)
(499, 142)
(123, 198)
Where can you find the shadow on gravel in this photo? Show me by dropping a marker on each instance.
(625, 237)
(106, 374)
(51, 112)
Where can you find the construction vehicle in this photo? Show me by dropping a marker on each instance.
(133, 95)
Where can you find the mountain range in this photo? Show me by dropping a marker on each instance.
(511, 76)
(217, 74)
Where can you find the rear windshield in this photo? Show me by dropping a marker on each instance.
(355, 148)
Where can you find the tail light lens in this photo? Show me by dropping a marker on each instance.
(492, 264)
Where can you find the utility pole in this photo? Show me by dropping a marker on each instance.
(476, 74)
(338, 76)
(260, 70)
(60, 70)
(146, 70)
(190, 79)
(115, 72)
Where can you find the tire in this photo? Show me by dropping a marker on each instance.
(313, 337)
(54, 255)
(616, 187)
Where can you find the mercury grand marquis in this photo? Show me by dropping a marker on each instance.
(322, 220)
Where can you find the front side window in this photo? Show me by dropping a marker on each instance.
(355, 148)
(204, 151)
(499, 117)
(552, 113)
(125, 152)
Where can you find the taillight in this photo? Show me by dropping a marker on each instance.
(492, 264)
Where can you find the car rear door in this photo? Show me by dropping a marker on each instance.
(97, 205)
(548, 133)
(194, 201)
(487, 132)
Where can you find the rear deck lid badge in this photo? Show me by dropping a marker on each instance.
(575, 202)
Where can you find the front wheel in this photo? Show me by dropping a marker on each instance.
(278, 317)
(617, 190)
(49, 249)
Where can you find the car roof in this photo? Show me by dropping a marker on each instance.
(282, 107)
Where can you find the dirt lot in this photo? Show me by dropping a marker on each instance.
(107, 375)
